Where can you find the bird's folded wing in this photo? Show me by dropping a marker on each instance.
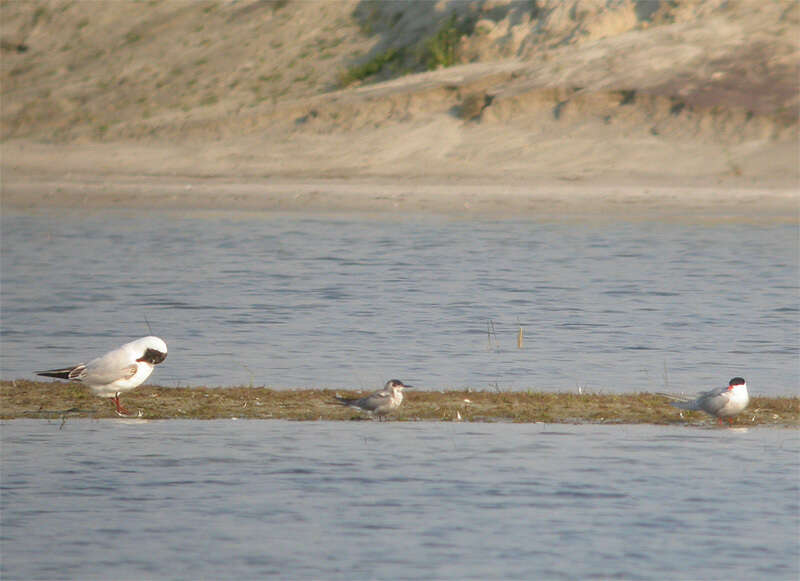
(715, 400)
(714, 392)
(379, 396)
(105, 374)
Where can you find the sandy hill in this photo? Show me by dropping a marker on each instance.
(695, 92)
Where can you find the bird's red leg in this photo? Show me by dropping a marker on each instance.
(120, 410)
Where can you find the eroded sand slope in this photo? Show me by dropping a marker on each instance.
(638, 99)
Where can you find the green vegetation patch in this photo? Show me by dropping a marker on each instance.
(437, 51)
(440, 50)
(372, 67)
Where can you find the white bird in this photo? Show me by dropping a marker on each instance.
(380, 402)
(723, 402)
(117, 371)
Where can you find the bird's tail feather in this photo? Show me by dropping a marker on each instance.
(343, 400)
(685, 405)
(681, 401)
(59, 373)
(675, 397)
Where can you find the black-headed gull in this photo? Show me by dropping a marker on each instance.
(117, 371)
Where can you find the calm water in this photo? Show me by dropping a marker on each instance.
(361, 500)
(324, 301)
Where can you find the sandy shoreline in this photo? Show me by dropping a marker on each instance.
(543, 198)
(214, 176)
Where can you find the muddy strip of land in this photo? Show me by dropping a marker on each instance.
(56, 400)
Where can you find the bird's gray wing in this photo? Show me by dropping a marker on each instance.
(714, 400)
(374, 400)
(105, 370)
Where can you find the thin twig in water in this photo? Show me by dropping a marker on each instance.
(492, 336)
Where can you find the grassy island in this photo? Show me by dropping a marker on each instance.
(35, 399)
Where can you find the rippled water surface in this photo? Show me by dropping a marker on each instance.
(131, 499)
(326, 301)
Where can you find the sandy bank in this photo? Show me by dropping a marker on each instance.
(160, 177)
(549, 199)
(549, 109)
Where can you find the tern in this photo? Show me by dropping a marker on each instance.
(380, 402)
(723, 402)
(117, 371)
